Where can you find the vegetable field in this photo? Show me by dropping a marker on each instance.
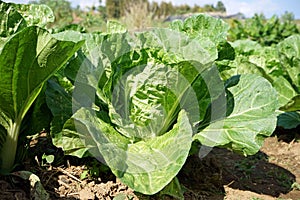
(201, 109)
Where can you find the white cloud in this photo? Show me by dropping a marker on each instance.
(249, 8)
(86, 3)
(17, 1)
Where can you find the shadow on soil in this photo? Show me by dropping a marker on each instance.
(222, 167)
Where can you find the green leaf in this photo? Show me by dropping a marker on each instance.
(115, 27)
(285, 91)
(49, 158)
(11, 21)
(265, 58)
(36, 56)
(253, 117)
(210, 32)
(151, 105)
(15, 17)
(289, 120)
(292, 105)
(242, 65)
(37, 191)
(289, 50)
(173, 189)
(203, 26)
(246, 47)
(173, 46)
(94, 60)
(42, 56)
(225, 51)
(152, 164)
(59, 102)
(145, 166)
(35, 14)
(63, 133)
(70, 139)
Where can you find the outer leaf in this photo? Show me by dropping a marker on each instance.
(23, 73)
(15, 17)
(246, 47)
(35, 14)
(290, 54)
(158, 160)
(71, 139)
(265, 61)
(146, 166)
(266, 58)
(285, 91)
(203, 26)
(242, 65)
(115, 27)
(27, 60)
(37, 191)
(253, 117)
(176, 46)
(94, 60)
(63, 131)
(59, 102)
(292, 105)
(210, 32)
(289, 120)
(173, 189)
(11, 21)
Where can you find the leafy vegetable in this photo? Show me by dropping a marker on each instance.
(28, 58)
(289, 120)
(278, 64)
(15, 17)
(11, 20)
(137, 102)
(265, 32)
(252, 119)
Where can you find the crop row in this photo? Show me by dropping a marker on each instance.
(142, 102)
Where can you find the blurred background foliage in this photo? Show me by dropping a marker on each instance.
(141, 14)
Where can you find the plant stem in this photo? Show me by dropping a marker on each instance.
(9, 149)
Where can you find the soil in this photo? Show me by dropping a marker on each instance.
(272, 173)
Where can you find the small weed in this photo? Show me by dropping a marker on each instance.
(295, 186)
(48, 158)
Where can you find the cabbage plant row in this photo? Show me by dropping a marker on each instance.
(141, 102)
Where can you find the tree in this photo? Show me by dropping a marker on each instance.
(113, 8)
(183, 9)
(287, 16)
(196, 9)
(155, 9)
(166, 9)
(220, 7)
(209, 8)
(102, 10)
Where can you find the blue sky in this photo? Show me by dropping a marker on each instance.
(248, 7)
